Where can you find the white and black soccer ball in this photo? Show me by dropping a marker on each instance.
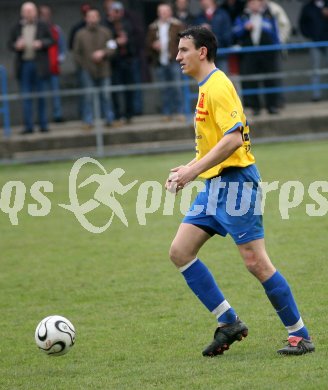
(55, 335)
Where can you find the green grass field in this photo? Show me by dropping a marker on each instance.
(138, 325)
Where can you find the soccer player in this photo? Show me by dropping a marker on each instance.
(229, 202)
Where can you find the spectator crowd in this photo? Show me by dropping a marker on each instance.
(112, 46)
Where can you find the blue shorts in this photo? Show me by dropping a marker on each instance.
(230, 203)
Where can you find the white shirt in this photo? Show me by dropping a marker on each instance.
(163, 28)
(29, 34)
(256, 20)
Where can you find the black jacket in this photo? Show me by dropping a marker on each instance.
(42, 60)
(312, 23)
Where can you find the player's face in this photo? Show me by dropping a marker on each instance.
(189, 57)
(164, 12)
(29, 12)
(255, 5)
(92, 18)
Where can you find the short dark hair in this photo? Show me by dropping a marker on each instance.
(202, 36)
(85, 8)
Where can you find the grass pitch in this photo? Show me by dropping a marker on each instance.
(138, 325)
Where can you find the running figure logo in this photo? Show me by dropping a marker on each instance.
(109, 186)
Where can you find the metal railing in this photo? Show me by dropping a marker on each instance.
(186, 83)
(94, 91)
(237, 79)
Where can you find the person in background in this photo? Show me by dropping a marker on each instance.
(56, 54)
(80, 24)
(313, 24)
(30, 39)
(107, 4)
(76, 27)
(93, 46)
(218, 21)
(140, 65)
(284, 31)
(284, 24)
(122, 62)
(234, 8)
(162, 46)
(182, 12)
(255, 27)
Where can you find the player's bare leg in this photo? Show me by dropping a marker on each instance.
(257, 260)
(186, 244)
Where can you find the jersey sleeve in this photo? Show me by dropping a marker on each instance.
(227, 111)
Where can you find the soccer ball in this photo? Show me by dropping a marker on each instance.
(55, 335)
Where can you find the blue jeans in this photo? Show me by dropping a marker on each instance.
(122, 74)
(171, 96)
(137, 94)
(52, 84)
(105, 99)
(317, 55)
(30, 82)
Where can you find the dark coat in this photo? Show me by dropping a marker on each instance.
(130, 49)
(312, 23)
(233, 10)
(269, 32)
(220, 26)
(43, 34)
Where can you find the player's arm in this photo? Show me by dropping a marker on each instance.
(221, 151)
(192, 162)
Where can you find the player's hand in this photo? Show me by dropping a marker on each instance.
(37, 44)
(156, 45)
(183, 175)
(20, 44)
(170, 183)
(98, 55)
(122, 39)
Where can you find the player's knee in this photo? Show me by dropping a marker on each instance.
(258, 263)
(178, 256)
(252, 261)
(175, 254)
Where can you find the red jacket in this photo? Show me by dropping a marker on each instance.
(53, 51)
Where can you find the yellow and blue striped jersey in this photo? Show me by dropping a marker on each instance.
(218, 112)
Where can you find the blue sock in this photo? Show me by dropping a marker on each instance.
(202, 283)
(281, 297)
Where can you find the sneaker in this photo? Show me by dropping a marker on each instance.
(273, 110)
(118, 123)
(297, 346)
(26, 131)
(224, 336)
(59, 119)
(88, 126)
